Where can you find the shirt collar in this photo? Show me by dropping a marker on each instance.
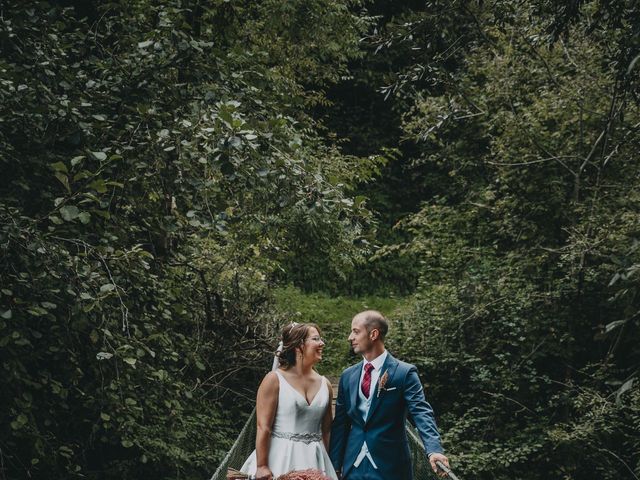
(378, 361)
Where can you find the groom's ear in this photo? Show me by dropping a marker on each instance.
(375, 334)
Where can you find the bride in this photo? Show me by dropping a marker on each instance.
(293, 410)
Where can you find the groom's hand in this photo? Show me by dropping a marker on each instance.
(435, 457)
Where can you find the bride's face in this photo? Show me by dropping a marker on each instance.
(313, 346)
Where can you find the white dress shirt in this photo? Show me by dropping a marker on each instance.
(364, 403)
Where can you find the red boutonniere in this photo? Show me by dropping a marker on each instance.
(384, 378)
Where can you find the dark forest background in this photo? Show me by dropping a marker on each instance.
(168, 168)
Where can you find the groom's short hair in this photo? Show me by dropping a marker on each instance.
(374, 320)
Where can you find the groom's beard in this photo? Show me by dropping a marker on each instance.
(352, 352)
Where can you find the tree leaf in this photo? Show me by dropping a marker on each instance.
(64, 180)
(84, 217)
(69, 212)
(59, 167)
(107, 287)
(625, 386)
(614, 325)
(76, 160)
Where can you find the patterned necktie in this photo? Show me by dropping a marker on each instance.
(366, 380)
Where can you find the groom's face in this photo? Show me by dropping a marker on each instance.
(359, 337)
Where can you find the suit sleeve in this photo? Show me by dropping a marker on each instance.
(340, 428)
(421, 413)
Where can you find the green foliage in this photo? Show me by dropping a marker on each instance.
(154, 157)
(166, 164)
(525, 321)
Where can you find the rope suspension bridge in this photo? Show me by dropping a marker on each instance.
(245, 444)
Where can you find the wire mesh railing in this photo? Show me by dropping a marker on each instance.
(240, 450)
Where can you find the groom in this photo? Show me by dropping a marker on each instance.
(368, 439)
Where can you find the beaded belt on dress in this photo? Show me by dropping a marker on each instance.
(299, 437)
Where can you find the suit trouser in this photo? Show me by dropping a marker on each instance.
(364, 471)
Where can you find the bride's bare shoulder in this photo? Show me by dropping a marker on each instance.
(270, 382)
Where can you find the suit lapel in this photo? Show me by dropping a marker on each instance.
(389, 366)
(354, 385)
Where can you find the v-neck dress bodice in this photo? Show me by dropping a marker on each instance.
(296, 434)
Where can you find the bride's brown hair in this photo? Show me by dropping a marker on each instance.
(293, 337)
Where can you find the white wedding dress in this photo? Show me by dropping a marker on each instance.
(296, 435)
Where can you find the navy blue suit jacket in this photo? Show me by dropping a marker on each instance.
(384, 427)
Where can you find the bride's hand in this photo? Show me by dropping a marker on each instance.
(263, 473)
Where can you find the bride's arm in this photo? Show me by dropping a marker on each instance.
(266, 405)
(327, 419)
